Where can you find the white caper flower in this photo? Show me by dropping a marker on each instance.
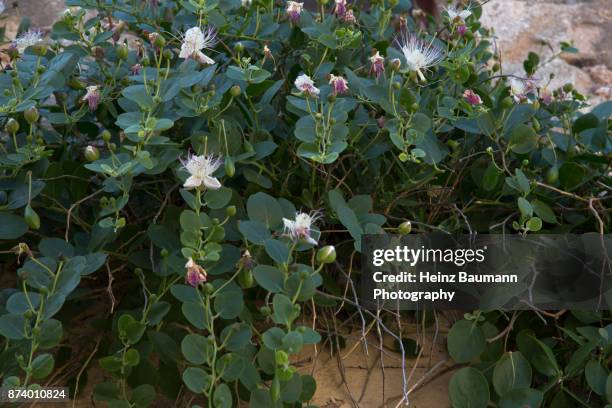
(457, 15)
(419, 54)
(305, 84)
(201, 169)
(195, 41)
(92, 97)
(294, 10)
(301, 227)
(521, 88)
(28, 39)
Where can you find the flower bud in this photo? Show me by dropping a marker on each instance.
(405, 228)
(396, 64)
(327, 254)
(31, 115)
(12, 126)
(239, 47)
(164, 253)
(122, 51)
(230, 211)
(91, 153)
(235, 91)
(106, 136)
(157, 40)
(167, 54)
(403, 156)
(265, 310)
(507, 102)
(31, 218)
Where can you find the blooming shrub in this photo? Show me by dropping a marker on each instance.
(195, 179)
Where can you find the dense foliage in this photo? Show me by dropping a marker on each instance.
(186, 184)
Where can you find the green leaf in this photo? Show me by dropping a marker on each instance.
(538, 353)
(534, 224)
(490, 178)
(292, 342)
(521, 398)
(55, 248)
(273, 338)
(42, 366)
(51, 333)
(269, 277)
(522, 181)
(254, 231)
(165, 346)
(584, 122)
(277, 250)
(469, 389)
(143, 395)
(11, 226)
(194, 312)
(284, 311)
(511, 371)
(236, 336)
(222, 397)
(195, 348)
(309, 387)
(466, 341)
(265, 209)
(216, 199)
(196, 379)
(525, 207)
(132, 357)
(596, 376)
(11, 326)
(523, 139)
(139, 94)
(229, 301)
(544, 211)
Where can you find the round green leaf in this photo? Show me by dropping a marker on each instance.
(196, 379)
(523, 139)
(265, 209)
(269, 278)
(465, 341)
(42, 366)
(11, 226)
(511, 371)
(194, 348)
(469, 389)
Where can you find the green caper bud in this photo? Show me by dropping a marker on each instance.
(405, 228)
(122, 51)
(326, 255)
(12, 126)
(230, 211)
(235, 91)
(31, 115)
(91, 153)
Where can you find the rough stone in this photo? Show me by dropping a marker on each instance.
(522, 26)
